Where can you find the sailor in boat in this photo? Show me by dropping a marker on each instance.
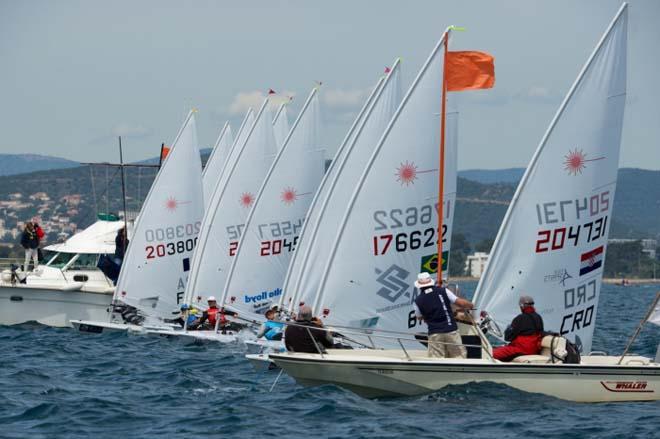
(215, 316)
(271, 329)
(305, 335)
(524, 334)
(188, 313)
(433, 306)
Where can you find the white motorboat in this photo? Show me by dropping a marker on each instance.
(397, 372)
(68, 286)
(591, 117)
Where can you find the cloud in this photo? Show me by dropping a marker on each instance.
(342, 99)
(253, 99)
(126, 129)
(537, 94)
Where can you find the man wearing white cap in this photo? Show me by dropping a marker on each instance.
(213, 314)
(433, 305)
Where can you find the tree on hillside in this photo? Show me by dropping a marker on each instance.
(460, 248)
(626, 259)
(484, 245)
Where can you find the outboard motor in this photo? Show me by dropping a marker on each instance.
(17, 276)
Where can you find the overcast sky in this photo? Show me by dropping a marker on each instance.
(75, 74)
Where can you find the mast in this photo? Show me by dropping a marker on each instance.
(123, 196)
(441, 168)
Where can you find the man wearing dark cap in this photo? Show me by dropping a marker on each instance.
(305, 336)
(524, 334)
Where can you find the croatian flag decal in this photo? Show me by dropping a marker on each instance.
(591, 260)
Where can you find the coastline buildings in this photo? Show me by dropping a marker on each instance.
(475, 264)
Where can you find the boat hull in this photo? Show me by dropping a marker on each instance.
(51, 307)
(381, 377)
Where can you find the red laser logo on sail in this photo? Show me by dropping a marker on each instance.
(171, 204)
(289, 195)
(406, 173)
(247, 199)
(575, 161)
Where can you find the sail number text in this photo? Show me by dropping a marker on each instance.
(407, 241)
(555, 239)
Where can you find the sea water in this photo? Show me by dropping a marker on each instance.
(56, 383)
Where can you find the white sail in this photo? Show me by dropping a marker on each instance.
(157, 262)
(552, 242)
(388, 232)
(230, 204)
(351, 162)
(281, 125)
(241, 136)
(274, 223)
(308, 231)
(213, 168)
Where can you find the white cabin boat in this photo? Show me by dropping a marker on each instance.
(68, 286)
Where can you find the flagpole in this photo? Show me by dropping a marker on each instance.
(441, 169)
(639, 327)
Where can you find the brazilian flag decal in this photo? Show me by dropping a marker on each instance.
(430, 263)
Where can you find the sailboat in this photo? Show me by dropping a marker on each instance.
(270, 235)
(579, 154)
(316, 236)
(224, 220)
(155, 269)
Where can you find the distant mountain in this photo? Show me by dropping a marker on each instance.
(479, 210)
(12, 164)
(511, 175)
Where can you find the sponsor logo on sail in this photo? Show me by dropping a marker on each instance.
(560, 276)
(576, 161)
(394, 283)
(591, 260)
(408, 172)
(246, 199)
(264, 295)
(172, 204)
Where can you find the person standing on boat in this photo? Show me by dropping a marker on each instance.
(302, 338)
(121, 244)
(433, 305)
(524, 334)
(30, 242)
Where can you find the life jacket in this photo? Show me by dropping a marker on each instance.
(217, 313)
(435, 306)
(212, 315)
(274, 329)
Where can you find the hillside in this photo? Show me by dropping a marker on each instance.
(68, 199)
(12, 164)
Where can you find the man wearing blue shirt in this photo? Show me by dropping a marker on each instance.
(433, 305)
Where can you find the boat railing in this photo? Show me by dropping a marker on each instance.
(6, 263)
(395, 337)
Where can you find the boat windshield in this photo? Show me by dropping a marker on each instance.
(85, 261)
(59, 260)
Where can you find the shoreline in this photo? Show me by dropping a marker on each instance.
(607, 280)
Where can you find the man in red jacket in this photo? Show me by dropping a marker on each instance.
(524, 333)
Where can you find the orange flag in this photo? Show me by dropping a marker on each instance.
(164, 152)
(469, 70)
